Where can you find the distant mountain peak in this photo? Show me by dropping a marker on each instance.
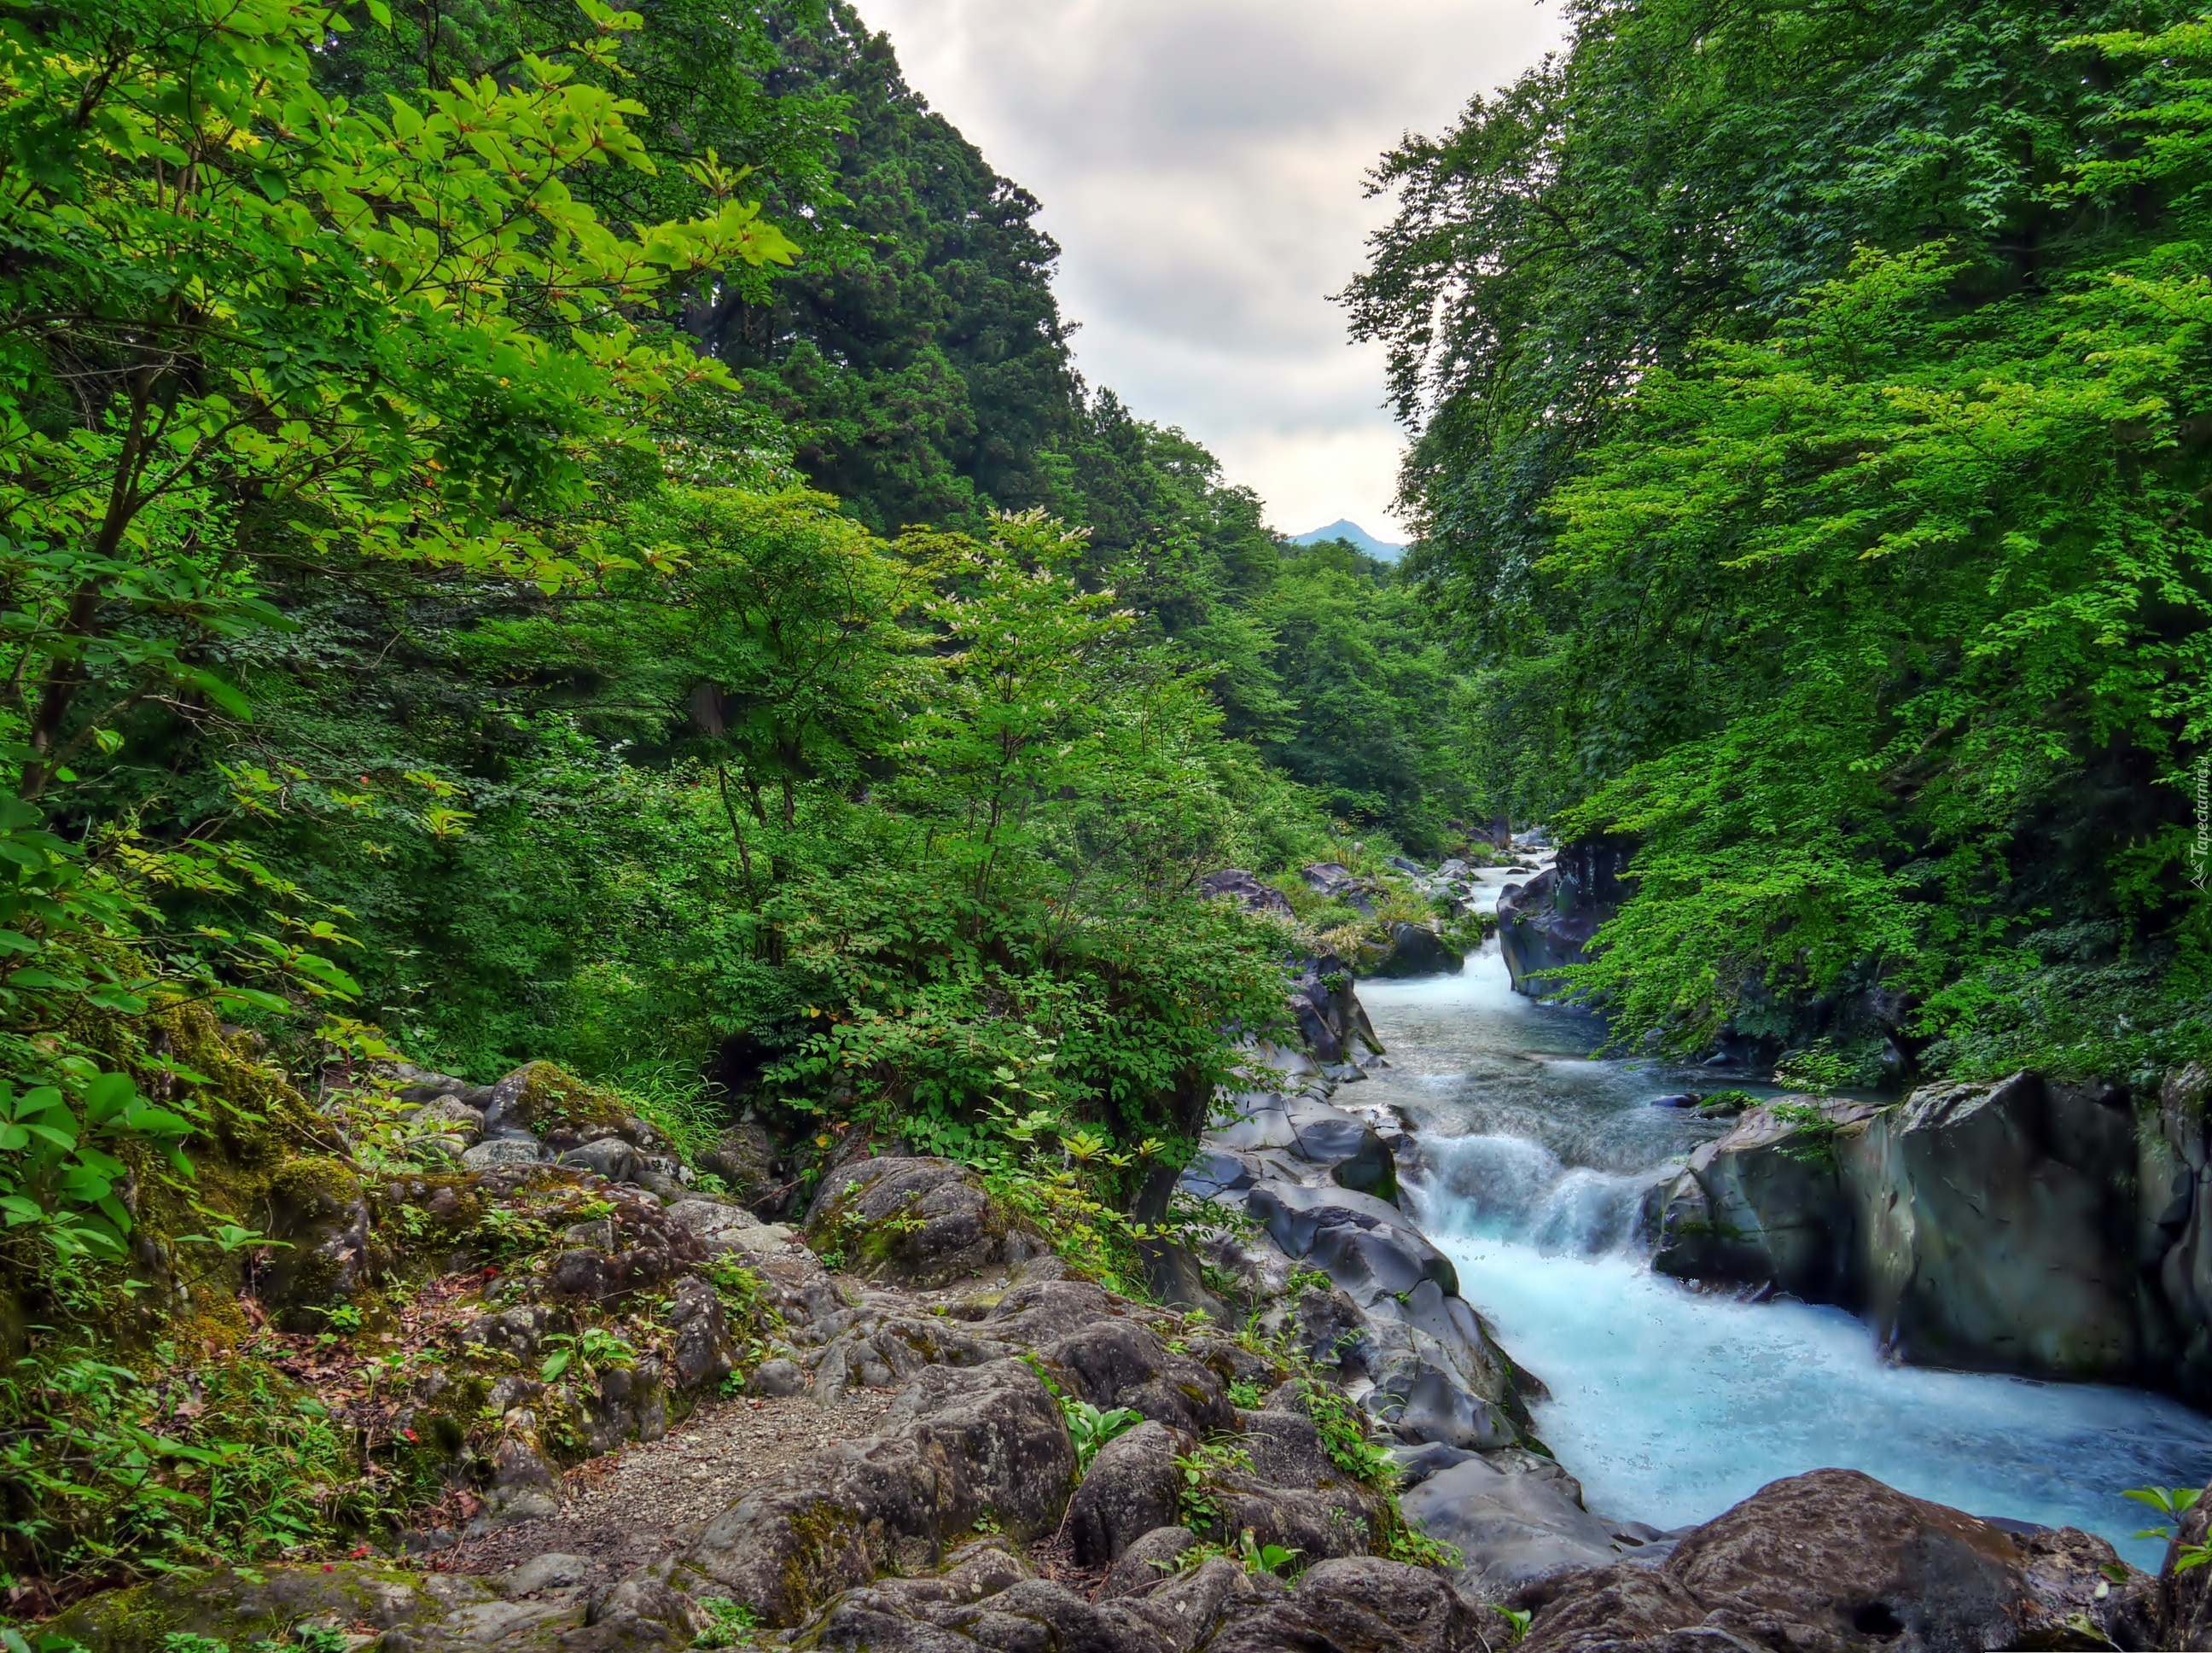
(1345, 528)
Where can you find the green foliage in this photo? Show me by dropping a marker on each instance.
(1342, 1428)
(2173, 1502)
(1090, 1429)
(734, 1623)
(118, 1474)
(1845, 555)
(1258, 1557)
(1197, 1472)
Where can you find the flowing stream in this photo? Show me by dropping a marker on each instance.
(1668, 1404)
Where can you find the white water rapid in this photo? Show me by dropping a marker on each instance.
(1669, 1404)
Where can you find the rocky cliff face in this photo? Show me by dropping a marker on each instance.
(2016, 1226)
(1546, 924)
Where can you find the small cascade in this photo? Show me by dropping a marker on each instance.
(1510, 1188)
(1669, 1404)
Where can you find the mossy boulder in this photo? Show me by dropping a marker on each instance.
(921, 1222)
(540, 1098)
(240, 1607)
(318, 1212)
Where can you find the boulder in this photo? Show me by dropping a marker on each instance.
(1362, 1605)
(320, 1213)
(1999, 1230)
(1768, 1205)
(1836, 1559)
(921, 1222)
(1417, 950)
(502, 1150)
(1327, 1011)
(1128, 1492)
(1248, 893)
(1547, 923)
(1340, 883)
(609, 1156)
(957, 1446)
(237, 1606)
(1365, 1244)
(1148, 1561)
(1511, 1526)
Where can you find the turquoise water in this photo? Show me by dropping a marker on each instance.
(1670, 1404)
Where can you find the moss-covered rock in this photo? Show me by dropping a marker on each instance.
(239, 1606)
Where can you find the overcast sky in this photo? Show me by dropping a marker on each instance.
(1201, 163)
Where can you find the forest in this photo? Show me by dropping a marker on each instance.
(1811, 455)
(557, 567)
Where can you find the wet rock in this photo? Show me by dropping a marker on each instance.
(1365, 1244)
(1836, 1559)
(1416, 949)
(1510, 1528)
(958, 1445)
(1998, 1231)
(1769, 1205)
(1547, 923)
(744, 1156)
(1417, 1463)
(1128, 1492)
(1437, 1406)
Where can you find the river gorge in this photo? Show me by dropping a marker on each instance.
(1670, 1403)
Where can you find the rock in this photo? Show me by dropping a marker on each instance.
(319, 1211)
(1997, 1231)
(1510, 1528)
(1248, 891)
(923, 1222)
(701, 1352)
(237, 1608)
(1416, 949)
(447, 1116)
(609, 1157)
(502, 1151)
(1340, 883)
(1121, 1362)
(1836, 1559)
(1327, 1011)
(1304, 1132)
(1361, 1605)
(1991, 1226)
(545, 1575)
(1437, 1406)
(1417, 1463)
(1366, 1245)
(775, 1378)
(957, 1446)
(1128, 1492)
(1768, 1205)
(1547, 923)
(744, 1156)
(1148, 1561)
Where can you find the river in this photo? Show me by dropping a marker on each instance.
(1670, 1404)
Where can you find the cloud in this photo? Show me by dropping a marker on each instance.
(1201, 163)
